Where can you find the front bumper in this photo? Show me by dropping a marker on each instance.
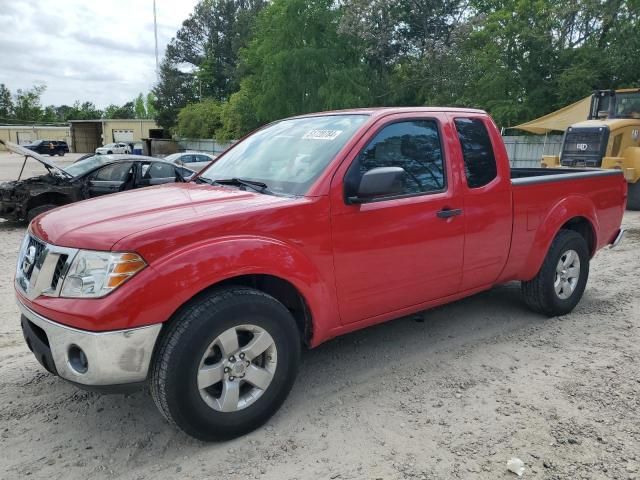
(90, 358)
(618, 238)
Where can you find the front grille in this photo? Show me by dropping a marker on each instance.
(584, 147)
(42, 267)
(58, 272)
(39, 247)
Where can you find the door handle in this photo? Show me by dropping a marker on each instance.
(449, 212)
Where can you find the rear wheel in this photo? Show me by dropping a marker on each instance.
(109, 152)
(226, 364)
(560, 283)
(34, 212)
(633, 196)
(61, 153)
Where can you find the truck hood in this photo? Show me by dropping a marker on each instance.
(98, 224)
(20, 150)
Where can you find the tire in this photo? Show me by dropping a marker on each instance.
(633, 196)
(34, 212)
(541, 295)
(61, 153)
(109, 152)
(182, 356)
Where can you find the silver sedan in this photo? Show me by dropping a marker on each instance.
(192, 160)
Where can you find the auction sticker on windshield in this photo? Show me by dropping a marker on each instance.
(321, 134)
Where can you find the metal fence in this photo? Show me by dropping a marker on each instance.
(527, 151)
(203, 145)
(523, 150)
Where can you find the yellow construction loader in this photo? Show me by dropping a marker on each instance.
(609, 138)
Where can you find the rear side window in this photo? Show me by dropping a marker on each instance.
(159, 170)
(477, 151)
(116, 172)
(414, 146)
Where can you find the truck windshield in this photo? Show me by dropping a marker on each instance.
(628, 105)
(289, 155)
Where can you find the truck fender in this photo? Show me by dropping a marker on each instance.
(196, 268)
(573, 206)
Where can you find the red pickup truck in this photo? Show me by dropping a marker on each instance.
(307, 229)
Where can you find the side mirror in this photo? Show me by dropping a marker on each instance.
(379, 182)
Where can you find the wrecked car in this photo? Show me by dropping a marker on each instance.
(24, 199)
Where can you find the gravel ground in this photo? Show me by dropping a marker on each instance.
(452, 393)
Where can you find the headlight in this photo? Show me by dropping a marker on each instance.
(94, 274)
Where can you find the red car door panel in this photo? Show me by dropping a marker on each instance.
(394, 253)
(486, 189)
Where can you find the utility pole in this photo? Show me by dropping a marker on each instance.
(155, 33)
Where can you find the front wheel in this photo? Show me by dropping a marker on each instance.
(560, 283)
(226, 363)
(61, 153)
(633, 196)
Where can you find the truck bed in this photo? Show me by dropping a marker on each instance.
(541, 195)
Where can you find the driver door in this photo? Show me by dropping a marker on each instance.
(111, 179)
(397, 252)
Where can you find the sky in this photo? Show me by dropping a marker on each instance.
(87, 50)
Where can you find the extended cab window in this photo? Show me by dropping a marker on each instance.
(414, 146)
(477, 151)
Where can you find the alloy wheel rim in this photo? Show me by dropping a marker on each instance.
(567, 274)
(237, 368)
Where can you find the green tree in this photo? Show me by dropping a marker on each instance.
(125, 111)
(199, 120)
(50, 115)
(149, 105)
(173, 92)
(27, 106)
(526, 58)
(412, 47)
(6, 103)
(63, 112)
(237, 117)
(110, 111)
(207, 46)
(298, 62)
(83, 111)
(138, 107)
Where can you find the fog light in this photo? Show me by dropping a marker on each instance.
(77, 359)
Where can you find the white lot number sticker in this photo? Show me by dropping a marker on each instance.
(319, 134)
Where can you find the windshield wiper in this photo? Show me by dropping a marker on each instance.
(257, 186)
(199, 179)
